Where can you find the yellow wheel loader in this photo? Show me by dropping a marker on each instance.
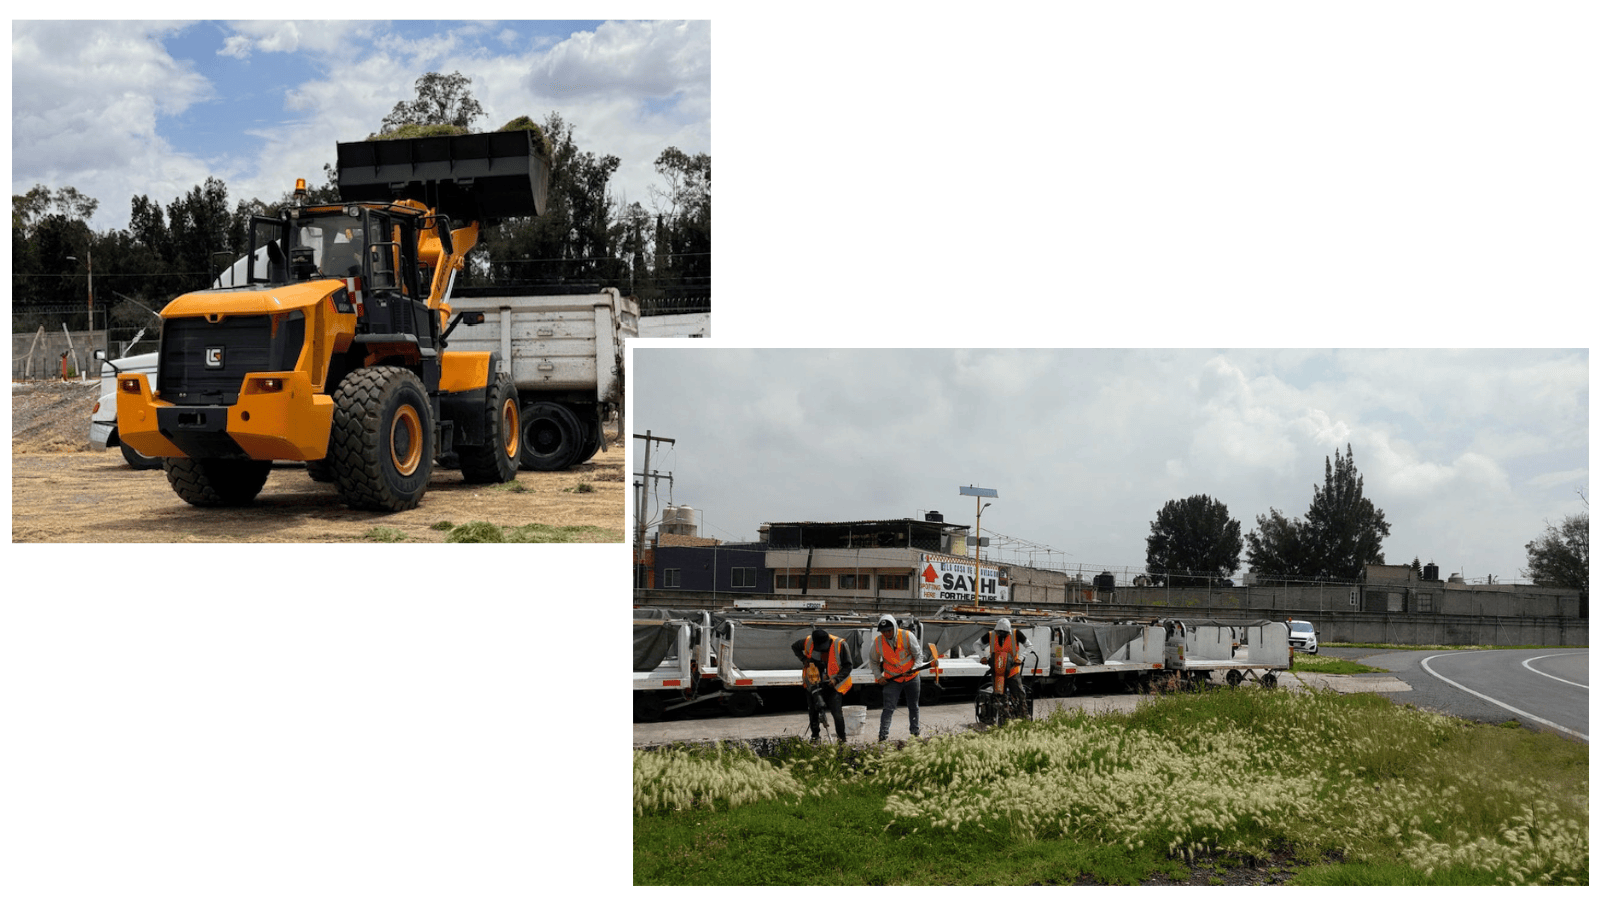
(333, 350)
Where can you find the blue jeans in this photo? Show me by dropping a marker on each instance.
(912, 689)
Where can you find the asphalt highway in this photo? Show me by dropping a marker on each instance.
(1545, 689)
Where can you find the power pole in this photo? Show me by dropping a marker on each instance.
(639, 517)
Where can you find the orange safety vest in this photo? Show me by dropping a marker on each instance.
(1007, 649)
(897, 659)
(833, 661)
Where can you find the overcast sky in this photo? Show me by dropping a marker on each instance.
(118, 109)
(1467, 453)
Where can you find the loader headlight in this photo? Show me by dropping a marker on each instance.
(128, 385)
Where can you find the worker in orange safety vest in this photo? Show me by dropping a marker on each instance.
(1001, 655)
(894, 659)
(825, 665)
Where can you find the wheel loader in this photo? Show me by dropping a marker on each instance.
(334, 349)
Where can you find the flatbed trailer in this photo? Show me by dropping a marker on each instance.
(755, 654)
(672, 662)
(1251, 650)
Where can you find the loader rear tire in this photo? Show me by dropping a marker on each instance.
(320, 470)
(496, 461)
(217, 482)
(552, 437)
(382, 441)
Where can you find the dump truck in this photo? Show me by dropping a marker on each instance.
(334, 350)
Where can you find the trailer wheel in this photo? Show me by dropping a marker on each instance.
(217, 482)
(743, 703)
(591, 438)
(932, 693)
(551, 436)
(382, 441)
(1065, 686)
(1269, 681)
(496, 461)
(138, 460)
(648, 708)
(1234, 678)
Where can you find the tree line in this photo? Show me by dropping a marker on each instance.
(586, 235)
(1194, 542)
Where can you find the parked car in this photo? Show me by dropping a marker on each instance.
(1302, 636)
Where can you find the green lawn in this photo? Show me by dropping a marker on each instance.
(1326, 788)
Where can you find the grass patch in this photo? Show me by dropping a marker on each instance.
(582, 487)
(445, 525)
(487, 533)
(384, 534)
(513, 487)
(1351, 789)
(1329, 665)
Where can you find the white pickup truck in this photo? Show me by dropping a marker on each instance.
(103, 419)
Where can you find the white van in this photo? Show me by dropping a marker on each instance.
(103, 419)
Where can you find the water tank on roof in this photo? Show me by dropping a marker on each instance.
(935, 516)
(1430, 572)
(678, 520)
(1105, 581)
(1455, 578)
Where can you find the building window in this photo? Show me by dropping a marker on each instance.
(817, 582)
(847, 582)
(1424, 602)
(894, 582)
(784, 581)
(744, 576)
(669, 578)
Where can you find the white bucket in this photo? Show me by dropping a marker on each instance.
(855, 719)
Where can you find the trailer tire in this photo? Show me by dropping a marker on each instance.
(137, 460)
(1269, 681)
(648, 708)
(382, 441)
(932, 693)
(551, 436)
(1234, 678)
(1066, 686)
(591, 438)
(743, 703)
(217, 482)
(496, 461)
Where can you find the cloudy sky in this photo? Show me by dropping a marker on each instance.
(1467, 453)
(118, 109)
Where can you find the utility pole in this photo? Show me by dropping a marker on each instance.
(639, 517)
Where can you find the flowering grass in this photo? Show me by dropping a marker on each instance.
(1353, 788)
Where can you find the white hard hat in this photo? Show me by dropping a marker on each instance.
(1003, 625)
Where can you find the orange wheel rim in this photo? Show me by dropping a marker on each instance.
(511, 426)
(405, 440)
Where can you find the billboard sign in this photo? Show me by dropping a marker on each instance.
(956, 582)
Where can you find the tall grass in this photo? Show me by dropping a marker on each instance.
(1392, 793)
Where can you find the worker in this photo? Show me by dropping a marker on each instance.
(895, 658)
(831, 679)
(1001, 645)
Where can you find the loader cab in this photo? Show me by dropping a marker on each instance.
(378, 246)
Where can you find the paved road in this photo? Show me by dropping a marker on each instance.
(1545, 689)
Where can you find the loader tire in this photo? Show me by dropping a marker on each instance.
(552, 437)
(217, 482)
(496, 461)
(320, 470)
(381, 446)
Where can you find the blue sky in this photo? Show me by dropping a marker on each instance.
(118, 109)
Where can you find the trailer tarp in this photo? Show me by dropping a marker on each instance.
(652, 643)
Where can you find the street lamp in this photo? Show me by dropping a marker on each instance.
(89, 254)
(979, 493)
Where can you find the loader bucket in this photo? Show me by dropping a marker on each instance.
(470, 177)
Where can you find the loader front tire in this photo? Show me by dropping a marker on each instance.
(381, 446)
(217, 482)
(496, 461)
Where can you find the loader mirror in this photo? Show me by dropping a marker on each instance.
(302, 262)
(472, 318)
(442, 223)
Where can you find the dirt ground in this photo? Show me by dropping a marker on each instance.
(64, 492)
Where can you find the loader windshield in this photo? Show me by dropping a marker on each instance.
(334, 243)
